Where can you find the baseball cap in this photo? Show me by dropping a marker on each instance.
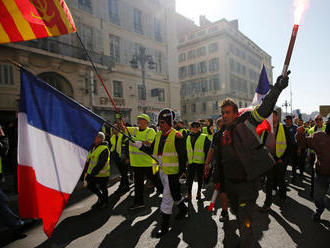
(143, 116)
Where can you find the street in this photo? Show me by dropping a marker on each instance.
(116, 226)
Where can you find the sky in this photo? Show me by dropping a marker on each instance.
(269, 24)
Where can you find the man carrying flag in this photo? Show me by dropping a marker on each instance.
(244, 159)
(52, 149)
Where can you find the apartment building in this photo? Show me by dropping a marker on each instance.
(217, 61)
(114, 32)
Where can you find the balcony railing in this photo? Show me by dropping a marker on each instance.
(58, 47)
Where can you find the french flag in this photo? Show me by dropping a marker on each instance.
(54, 135)
(261, 91)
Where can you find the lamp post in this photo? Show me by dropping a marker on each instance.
(286, 105)
(142, 58)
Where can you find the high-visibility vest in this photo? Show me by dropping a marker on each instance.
(118, 145)
(209, 136)
(312, 129)
(196, 155)
(169, 158)
(137, 157)
(94, 158)
(281, 144)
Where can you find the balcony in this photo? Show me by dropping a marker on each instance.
(58, 47)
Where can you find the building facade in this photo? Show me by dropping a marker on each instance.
(216, 62)
(113, 31)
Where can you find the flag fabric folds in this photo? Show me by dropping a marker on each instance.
(54, 135)
(22, 20)
(261, 91)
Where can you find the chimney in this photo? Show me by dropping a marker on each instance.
(203, 21)
(234, 24)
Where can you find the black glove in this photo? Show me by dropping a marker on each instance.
(88, 178)
(282, 82)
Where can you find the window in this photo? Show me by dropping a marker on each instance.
(191, 54)
(138, 21)
(115, 48)
(113, 11)
(158, 61)
(117, 89)
(215, 105)
(158, 36)
(201, 51)
(215, 82)
(213, 47)
(193, 108)
(202, 67)
(6, 75)
(240, 104)
(85, 5)
(204, 107)
(182, 72)
(203, 83)
(141, 92)
(161, 95)
(232, 64)
(184, 109)
(192, 70)
(214, 64)
(182, 57)
(87, 36)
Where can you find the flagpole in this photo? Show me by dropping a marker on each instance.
(118, 115)
(18, 65)
(128, 137)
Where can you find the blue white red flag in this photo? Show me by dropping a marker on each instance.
(261, 91)
(54, 135)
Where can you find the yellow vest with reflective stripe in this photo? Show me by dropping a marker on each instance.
(209, 136)
(137, 157)
(169, 160)
(94, 157)
(281, 144)
(119, 143)
(196, 155)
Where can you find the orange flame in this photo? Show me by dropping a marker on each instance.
(300, 6)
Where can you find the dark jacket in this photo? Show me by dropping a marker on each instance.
(320, 143)
(4, 146)
(248, 151)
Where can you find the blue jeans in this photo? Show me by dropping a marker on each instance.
(322, 183)
(7, 217)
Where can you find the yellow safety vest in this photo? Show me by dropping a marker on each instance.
(94, 157)
(196, 155)
(137, 157)
(119, 143)
(209, 136)
(169, 159)
(281, 144)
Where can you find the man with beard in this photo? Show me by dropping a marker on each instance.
(243, 158)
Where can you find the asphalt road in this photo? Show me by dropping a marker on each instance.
(116, 226)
